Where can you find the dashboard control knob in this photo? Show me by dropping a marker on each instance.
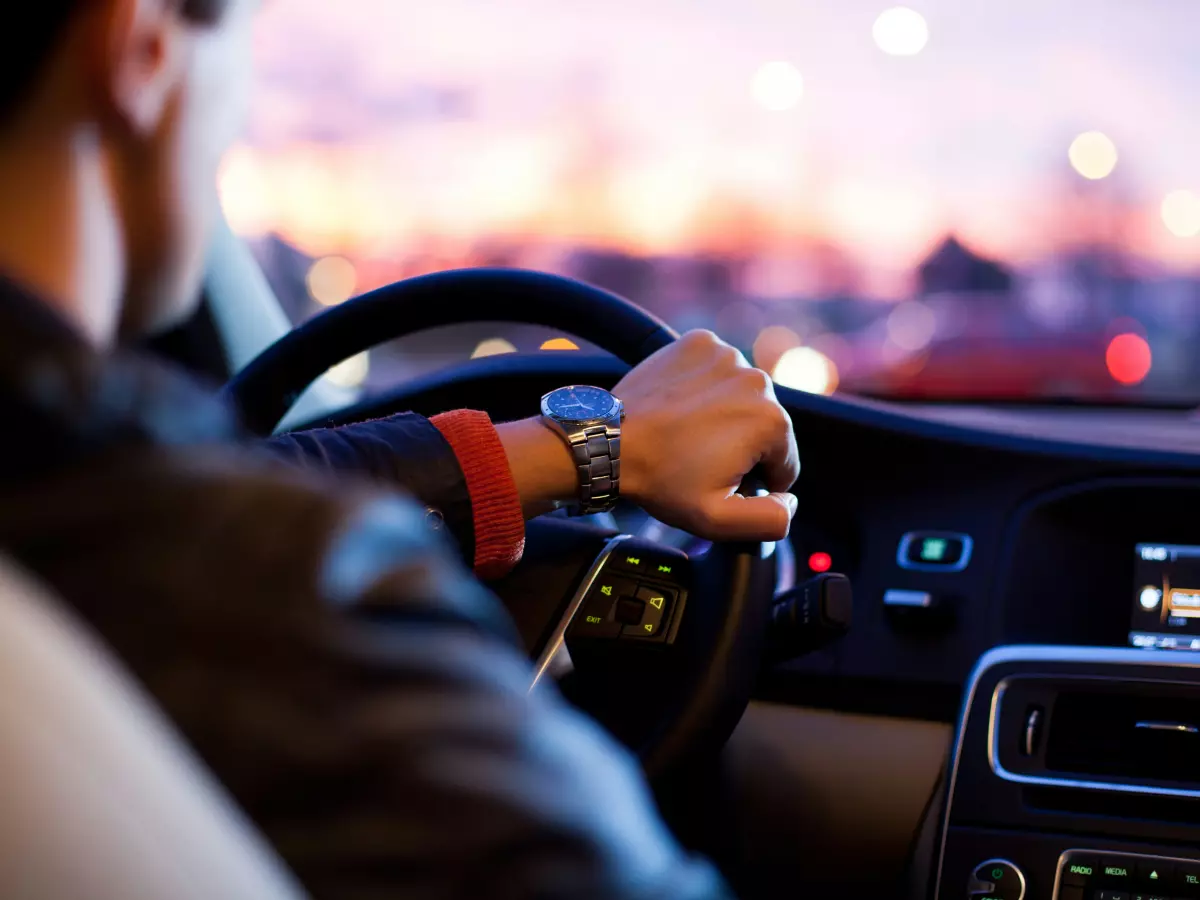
(1031, 736)
(810, 616)
(997, 879)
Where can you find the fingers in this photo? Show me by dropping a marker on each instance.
(737, 518)
(778, 454)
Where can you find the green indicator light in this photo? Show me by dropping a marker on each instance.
(933, 549)
(997, 874)
(594, 620)
(607, 590)
(649, 626)
(666, 570)
(633, 560)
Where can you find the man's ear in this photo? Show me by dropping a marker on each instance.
(140, 60)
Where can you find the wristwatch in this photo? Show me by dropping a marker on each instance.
(589, 420)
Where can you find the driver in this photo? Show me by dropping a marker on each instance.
(312, 635)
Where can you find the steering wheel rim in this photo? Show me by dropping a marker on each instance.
(720, 643)
(271, 384)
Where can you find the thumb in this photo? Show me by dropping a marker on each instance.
(767, 517)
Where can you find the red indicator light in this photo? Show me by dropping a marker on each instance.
(820, 563)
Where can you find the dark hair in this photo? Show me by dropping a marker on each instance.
(26, 49)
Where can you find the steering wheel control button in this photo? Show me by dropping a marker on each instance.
(630, 611)
(657, 605)
(934, 551)
(810, 616)
(997, 879)
(597, 618)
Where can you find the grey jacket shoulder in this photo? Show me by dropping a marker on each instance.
(359, 693)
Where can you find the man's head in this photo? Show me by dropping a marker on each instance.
(114, 115)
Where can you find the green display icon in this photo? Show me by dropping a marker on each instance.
(933, 549)
(997, 874)
(1154, 876)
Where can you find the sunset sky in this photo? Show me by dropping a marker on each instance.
(380, 125)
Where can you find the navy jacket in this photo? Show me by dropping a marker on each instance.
(357, 691)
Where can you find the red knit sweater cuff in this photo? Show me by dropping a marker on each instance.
(495, 503)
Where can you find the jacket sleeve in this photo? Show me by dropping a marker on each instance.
(405, 451)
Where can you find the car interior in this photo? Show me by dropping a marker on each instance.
(969, 672)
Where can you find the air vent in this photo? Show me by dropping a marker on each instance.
(1146, 738)
(1141, 736)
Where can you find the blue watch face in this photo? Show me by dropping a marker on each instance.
(581, 403)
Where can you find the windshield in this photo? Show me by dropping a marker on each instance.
(955, 200)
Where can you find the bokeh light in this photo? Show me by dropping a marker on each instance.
(911, 326)
(1128, 358)
(806, 369)
(493, 347)
(772, 342)
(1181, 213)
(560, 343)
(901, 31)
(1093, 155)
(777, 86)
(332, 280)
(351, 373)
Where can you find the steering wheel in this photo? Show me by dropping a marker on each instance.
(665, 648)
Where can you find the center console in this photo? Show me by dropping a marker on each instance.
(1076, 770)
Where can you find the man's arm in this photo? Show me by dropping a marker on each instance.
(699, 418)
(405, 451)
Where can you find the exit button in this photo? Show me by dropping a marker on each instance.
(934, 551)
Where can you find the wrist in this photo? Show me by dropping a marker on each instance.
(540, 463)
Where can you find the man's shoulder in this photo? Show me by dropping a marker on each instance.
(225, 531)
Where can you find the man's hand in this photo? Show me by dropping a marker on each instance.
(698, 420)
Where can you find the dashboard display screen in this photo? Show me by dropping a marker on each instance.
(1166, 597)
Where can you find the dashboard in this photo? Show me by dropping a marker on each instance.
(1021, 533)
(966, 532)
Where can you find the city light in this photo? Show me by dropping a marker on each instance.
(911, 326)
(1093, 155)
(1181, 213)
(777, 86)
(493, 347)
(1128, 359)
(901, 31)
(351, 373)
(332, 280)
(806, 369)
(560, 343)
